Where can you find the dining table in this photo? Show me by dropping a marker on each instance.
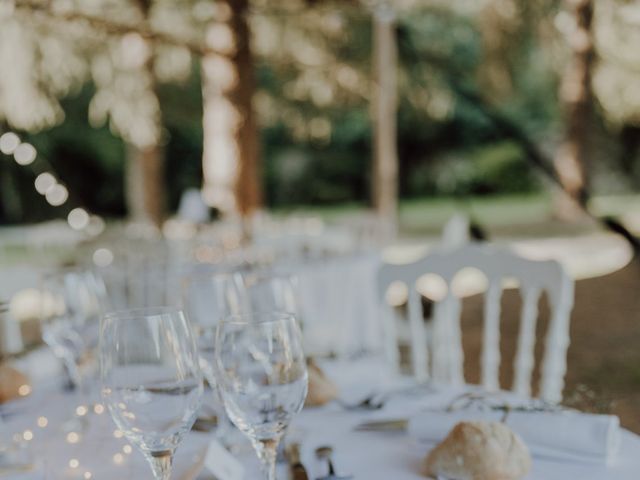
(43, 427)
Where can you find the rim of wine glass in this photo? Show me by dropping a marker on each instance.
(204, 275)
(67, 269)
(141, 312)
(255, 317)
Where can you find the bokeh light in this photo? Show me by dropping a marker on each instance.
(44, 182)
(57, 195)
(103, 257)
(9, 142)
(78, 218)
(25, 154)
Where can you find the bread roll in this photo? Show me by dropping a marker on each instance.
(321, 389)
(10, 382)
(479, 451)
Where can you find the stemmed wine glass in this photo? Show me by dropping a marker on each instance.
(262, 376)
(71, 303)
(151, 381)
(208, 297)
(271, 290)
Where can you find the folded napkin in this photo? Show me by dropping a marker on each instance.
(10, 382)
(564, 435)
(321, 389)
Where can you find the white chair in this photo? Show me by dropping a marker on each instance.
(447, 356)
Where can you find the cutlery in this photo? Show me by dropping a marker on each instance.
(372, 402)
(324, 453)
(377, 400)
(393, 425)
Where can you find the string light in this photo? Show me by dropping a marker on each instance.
(25, 154)
(27, 435)
(118, 458)
(57, 195)
(98, 409)
(43, 422)
(78, 218)
(103, 257)
(96, 225)
(74, 463)
(87, 475)
(73, 437)
(127, 449)
(9, 142)
(81, 411)
(44, 182)
(118, 433)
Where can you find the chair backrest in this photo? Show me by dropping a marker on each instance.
(497, 264)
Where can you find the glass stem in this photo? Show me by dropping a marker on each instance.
(73, 373)
(160, 462)
(267, 452)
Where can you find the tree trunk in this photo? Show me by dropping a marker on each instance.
(384, 109)
(576, 95)
(231, 148)
(144, 179)
(145, 187)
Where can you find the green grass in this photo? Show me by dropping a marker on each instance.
(615, 204)
(521, 215)
(428, 215)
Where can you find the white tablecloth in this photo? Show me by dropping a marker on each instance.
(367, 455)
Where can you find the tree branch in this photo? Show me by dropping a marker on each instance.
(115, 28)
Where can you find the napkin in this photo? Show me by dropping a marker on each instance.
(10, 382)
(564, 435)
(321, 389)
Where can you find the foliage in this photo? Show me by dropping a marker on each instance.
(314, 77)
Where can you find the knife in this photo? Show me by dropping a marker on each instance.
(296, 469)
(383, 425)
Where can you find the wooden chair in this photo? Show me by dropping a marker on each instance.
(444, 335)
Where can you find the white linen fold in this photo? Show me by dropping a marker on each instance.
(564, 435)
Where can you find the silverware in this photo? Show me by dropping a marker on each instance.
(398, 424)
(377, 400)
(372, 402)
(324, 453)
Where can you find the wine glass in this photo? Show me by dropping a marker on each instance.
(151, 381)
(262, 376)
(271, 290)
(71, 304)
(208, 297)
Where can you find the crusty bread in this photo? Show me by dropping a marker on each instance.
(321, 389)
(10, 382)
(479, 451)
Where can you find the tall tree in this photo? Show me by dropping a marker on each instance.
(231, 143)
(385, 160)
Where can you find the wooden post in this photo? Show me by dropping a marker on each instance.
(231, 144)
(384, 109)
(144, 174)
(577, 97)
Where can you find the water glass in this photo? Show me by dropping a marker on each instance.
(71, 304)
(262, 377)
(151, 380)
